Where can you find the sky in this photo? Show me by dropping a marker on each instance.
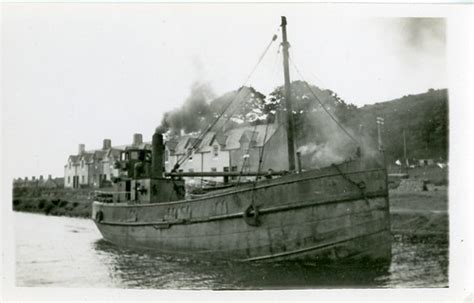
(79, 73)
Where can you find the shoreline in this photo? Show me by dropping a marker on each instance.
(55, 208)
(411, 213)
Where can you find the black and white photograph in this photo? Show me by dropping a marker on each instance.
(246, 148)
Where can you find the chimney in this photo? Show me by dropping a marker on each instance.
(33, 178)
(181, 132)
(107, 144)
(49, 177)
(26, 178)
(82, 149)
(137, 139)
(157, 159)
(41, 178)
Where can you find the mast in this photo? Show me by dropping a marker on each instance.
(289, 111)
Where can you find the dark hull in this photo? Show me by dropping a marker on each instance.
(316, 215)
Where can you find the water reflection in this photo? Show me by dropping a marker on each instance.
(67, 252)
(146, 269)
(418, 262)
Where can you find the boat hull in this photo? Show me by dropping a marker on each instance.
(331, 214)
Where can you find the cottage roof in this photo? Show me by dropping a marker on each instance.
(249, 133)
(144, 145)
(221, 138)
(113, 153)
(74, 158)
(54, 183)
(99, 154)
(184, 143)
(230, 139)
(171, 144)
(206, 143)
(87, 156)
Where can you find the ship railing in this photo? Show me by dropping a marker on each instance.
(111, 197)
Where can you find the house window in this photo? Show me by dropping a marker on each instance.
(213, 169)
(134, 155)
(69, 179)
(166, 155)
(82, 163)
(215, 150)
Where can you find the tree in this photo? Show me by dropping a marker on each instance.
(312, 122)
(245, 105)
(201, 109)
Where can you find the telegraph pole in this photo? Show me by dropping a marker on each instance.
(380, 122)
(405, 151)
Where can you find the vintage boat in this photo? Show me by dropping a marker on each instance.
(337, 213)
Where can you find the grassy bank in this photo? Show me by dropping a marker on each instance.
(412, 213)
(420, 213)
(56, 202)
(55, 207)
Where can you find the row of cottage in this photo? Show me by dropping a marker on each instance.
(50, 182)
(237, 149)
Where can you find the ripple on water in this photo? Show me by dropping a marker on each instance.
(68, 252)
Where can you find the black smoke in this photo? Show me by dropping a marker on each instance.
(423, 33)
(194, 114)
(201, 110)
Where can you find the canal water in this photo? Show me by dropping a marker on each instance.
(69, 252)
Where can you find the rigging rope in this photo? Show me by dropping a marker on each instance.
(208, 129)
(247, 159)
(322, 105)
(201, 136)
(260, 162)
(260, 158)
(262, 151)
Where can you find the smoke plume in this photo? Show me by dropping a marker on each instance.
(321, 140)
(320, 155)
(423, 33)
(194, 114)
(324, 143)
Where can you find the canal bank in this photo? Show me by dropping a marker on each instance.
(412, 213)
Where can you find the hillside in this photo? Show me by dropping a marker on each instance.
(424, 117)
